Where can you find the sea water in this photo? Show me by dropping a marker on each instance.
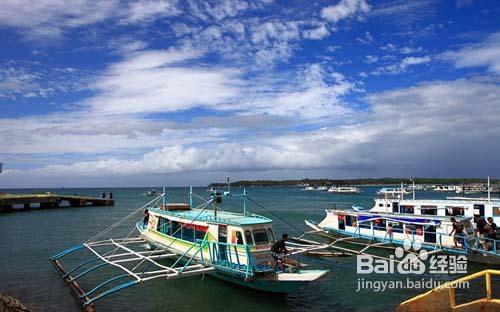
(29, 239)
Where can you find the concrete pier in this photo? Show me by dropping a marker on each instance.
(24, 202)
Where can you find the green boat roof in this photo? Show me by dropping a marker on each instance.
(225, 217)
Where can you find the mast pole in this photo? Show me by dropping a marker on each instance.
(413, 189)
(401, 189)
(164, 199)
(191, 197)
(245, 201)
(489, 190)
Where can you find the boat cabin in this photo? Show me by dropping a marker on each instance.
(465, 208)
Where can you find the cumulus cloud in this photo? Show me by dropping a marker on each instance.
(485, 53)
(345, 9)
(416, 131)
(154, 81)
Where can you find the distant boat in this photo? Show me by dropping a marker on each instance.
(357, 208)
(322, 188)
(345, 190)
(151, 192)
(393, 191)
(446, 188)
(308, 188)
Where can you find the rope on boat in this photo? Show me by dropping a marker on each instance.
(117, 223)
(202, 206)
(291, 225)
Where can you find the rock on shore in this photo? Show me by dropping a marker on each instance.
(9, 304)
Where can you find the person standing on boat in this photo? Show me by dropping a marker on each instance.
(146, 218)
(480, 231)
(279, 250)
(390, 231)
(491, 233)
(456, 232)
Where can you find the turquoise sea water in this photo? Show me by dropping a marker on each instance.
(28, 239)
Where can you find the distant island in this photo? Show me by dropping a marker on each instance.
(342, 182)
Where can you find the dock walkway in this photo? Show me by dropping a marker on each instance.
(18, 202)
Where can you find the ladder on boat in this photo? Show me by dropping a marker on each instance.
(134, 266)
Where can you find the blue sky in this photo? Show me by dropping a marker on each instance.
(148, 92)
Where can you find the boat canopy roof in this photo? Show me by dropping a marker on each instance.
(442, 202)
(224, 217)
(368, 214)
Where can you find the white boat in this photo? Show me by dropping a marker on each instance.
(344, 189)
(393, 191)
(429, 221)
(322, 188)
(151, 192)
(358, 208)
(446, 188)
(308, 188)
(468, 189)
(232, 246)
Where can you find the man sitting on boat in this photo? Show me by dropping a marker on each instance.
(278, 251)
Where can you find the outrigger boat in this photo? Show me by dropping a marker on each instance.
(231, 246)
(393, 220)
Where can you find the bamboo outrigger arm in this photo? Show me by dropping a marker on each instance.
(144, 267)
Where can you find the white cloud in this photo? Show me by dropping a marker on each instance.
(485, 53)
(402, 66)
(369, 59)
(316, 94)
(410, 50)
(345, 9)
(404, 11)
(416, 131)
(152, 81)
(49, 19)
(368, 38)
(148, 10)
(317, 33)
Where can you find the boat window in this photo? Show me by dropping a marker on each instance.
(175, 229)
(407, 209)
(454, 211)
(188, 232)
(260, 237)
(270, 234)
(381, 205)
(365, 225)
(419, 230)
(248, 237)
(341, 220)
(200, 232)
(496, 211)
(379, 224)
(429, 210)
(239, 238)
(397, 227)
(163, 225)
(350, 220)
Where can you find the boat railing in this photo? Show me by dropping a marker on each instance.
(469, 243)
(233, 258)
(443, 296)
